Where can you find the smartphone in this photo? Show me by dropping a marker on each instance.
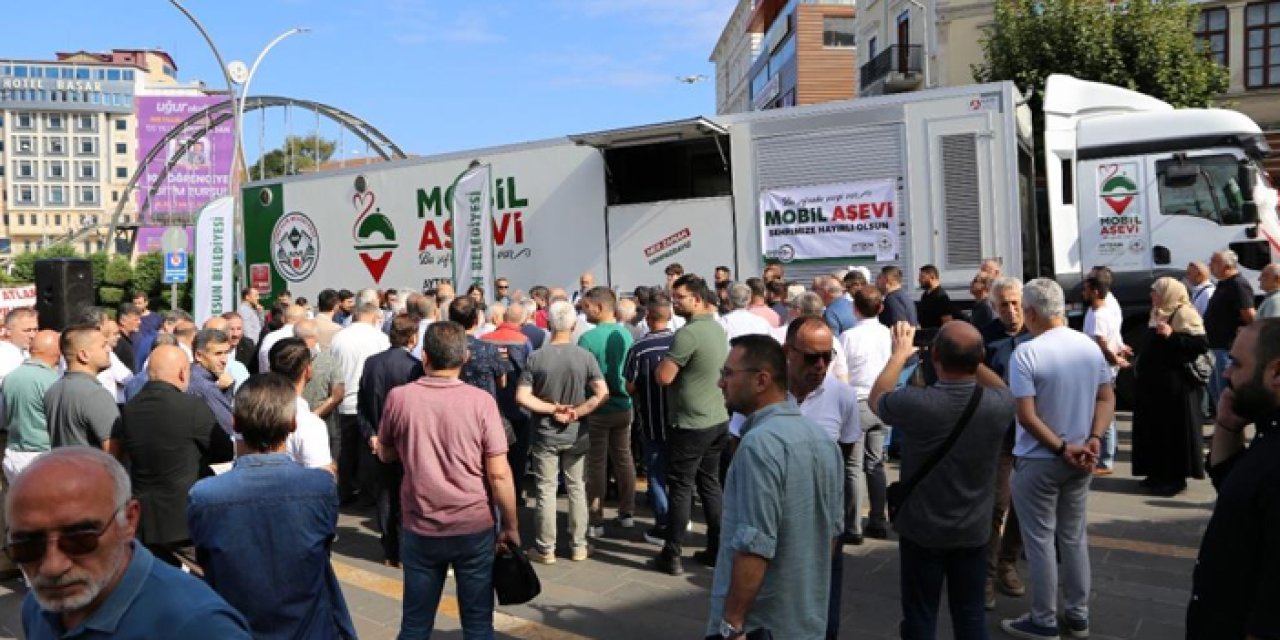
(924, 338)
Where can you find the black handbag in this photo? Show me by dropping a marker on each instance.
(514, 580)
(897, 493)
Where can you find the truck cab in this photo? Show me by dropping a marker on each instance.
(1143, 188)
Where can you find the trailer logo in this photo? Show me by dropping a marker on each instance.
(375, 236)
(295, 247)
(1118, 190)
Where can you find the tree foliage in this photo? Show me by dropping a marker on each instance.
(298, 154)
(1144, 45)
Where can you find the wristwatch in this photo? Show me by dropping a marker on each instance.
(728, 631)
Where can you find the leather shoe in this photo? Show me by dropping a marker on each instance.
(706, 558)
(668, 564)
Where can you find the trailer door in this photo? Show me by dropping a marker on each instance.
(961, 196)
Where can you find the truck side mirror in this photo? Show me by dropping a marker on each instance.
(1178, 175)
(1247, 176)
(1249, 213)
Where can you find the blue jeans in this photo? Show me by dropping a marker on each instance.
(833, 601)
(1108, 456)
(655, 464)
(426, 561)
(1216, 384)
(923, 570)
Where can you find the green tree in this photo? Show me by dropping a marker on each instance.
(115, 280)
(1144, 45)
(298, 154)
(24, 266)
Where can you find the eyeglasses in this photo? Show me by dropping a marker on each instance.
(728, 373)
(503, 286)
(811, 359)
(28, 549)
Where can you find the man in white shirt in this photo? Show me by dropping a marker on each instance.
(1102, 324)
(308, 445)
(251, 313)
(1062, 385)
(867, 347)
(292, 315)
(739, 321)
(351, 347)
(806, 304)
(20, 327)
(116, 376)
(1200, 286)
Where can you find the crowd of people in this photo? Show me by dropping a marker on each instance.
(191, 477)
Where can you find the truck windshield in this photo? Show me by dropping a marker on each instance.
(1215, 195)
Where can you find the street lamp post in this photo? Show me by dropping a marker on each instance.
(248, 81)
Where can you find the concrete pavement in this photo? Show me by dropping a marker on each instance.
(1143, 550)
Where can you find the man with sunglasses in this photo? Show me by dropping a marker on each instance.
(94, 580)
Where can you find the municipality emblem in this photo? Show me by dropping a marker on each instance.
(295, 247)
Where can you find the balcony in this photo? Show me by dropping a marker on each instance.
(897, 69)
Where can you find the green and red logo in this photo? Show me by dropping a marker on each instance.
(1118, 189)
(374, 235)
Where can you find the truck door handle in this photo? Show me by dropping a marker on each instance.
(1160, 254)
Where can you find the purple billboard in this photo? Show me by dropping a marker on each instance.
(202, 174)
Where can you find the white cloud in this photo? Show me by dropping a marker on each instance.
(415, 22)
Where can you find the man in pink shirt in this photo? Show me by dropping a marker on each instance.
(450, 438)
(759, 305)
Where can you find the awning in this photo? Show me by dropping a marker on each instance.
(690, 129)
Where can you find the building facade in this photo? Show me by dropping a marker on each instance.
(68, 143)
(782, 53)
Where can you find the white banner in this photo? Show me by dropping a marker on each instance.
(847, 220)
(473, 231)
(215, 292)
(16, 298)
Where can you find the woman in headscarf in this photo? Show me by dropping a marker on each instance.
(1167, 440)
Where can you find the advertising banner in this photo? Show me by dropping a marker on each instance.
(1122, 234)
(203, 173)
(847, 220)
(215, 292)
(473, 231)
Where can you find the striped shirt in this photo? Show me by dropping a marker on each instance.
(650, 398)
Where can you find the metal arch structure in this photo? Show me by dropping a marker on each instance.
(214, 116)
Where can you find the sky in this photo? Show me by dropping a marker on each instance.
(434, 75)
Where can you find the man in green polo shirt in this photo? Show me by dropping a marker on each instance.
(24, 391)
(610, 425)
(699, 420)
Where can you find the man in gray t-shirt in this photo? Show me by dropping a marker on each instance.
(561, 384)
(79, 409)
(945, 522)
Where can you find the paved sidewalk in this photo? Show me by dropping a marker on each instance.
(1143, 550)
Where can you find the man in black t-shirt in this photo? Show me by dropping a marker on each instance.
(1230, 308)
(935, 304)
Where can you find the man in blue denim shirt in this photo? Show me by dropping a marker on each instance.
(271, 518)
(97, 581)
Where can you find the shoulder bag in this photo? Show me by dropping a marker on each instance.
(897, 493)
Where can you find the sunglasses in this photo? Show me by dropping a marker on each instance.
(811, 359)
(28, 549)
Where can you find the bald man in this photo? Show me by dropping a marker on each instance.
(936, 540)
(170, 438)
(236, 369)
(24, 391)
(115, 588)
(293, 314)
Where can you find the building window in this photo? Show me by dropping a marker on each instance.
(88, 195)
(128, 75)
(87, 123)
(22, 219)
(56, 195)
(873, 47)
(88, 146)
(122, 147)
(838, 32)
(57, 170)
(26, 169)
(55, 146)
(26, 195)
(1262, 29)
(24, 145)
(115, 197)
(122, 172)
(55, 122)
(88, 170)
(57, 217)
(121, 124)
(24, 121)
(1211, 32)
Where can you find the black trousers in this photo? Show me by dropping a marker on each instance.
(357, 464)
(693, 459)
(391, 476)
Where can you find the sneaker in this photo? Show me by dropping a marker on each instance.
(626, 521)
(656, 535)
(1076, 628)
(667, 564)
(581, 553)
(1008, 582)
(595, 531)
(540, 557)
(1023, 627)
(706, 558)
(688, 526)
(989, 596)
(877, 531)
